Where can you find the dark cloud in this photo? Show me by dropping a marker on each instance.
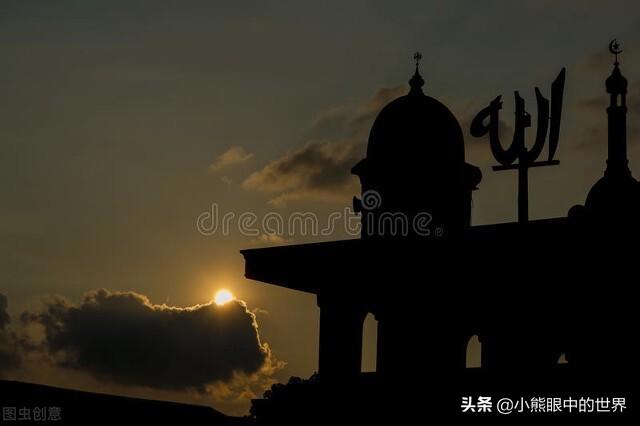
(321, 169)
(317, 170)
(5, 319)
(122, 337)
(9, 356)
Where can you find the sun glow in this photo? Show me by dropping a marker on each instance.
(223, 296)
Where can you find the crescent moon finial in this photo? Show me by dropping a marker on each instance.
(614, 48)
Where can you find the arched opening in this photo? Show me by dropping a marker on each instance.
(474, 352)
(369, 344)
(563, 359)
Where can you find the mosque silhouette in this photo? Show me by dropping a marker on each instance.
(532, 291)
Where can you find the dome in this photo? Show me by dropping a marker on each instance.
(415, 164)
(615, 196)
(416, 128)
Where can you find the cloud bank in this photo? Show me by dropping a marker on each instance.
(123, 338)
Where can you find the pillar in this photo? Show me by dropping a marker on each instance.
(340, 338)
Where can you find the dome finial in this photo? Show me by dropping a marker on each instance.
(416, 81)
(417, 56)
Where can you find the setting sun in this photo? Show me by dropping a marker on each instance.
(223, 296)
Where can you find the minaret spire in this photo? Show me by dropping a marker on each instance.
(616, 85)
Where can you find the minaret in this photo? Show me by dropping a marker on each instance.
(616, 84)
(614, 201)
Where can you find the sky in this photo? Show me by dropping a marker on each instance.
(123, 122)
